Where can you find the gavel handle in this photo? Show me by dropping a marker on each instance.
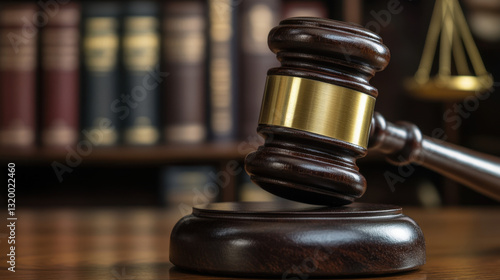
(403, 144)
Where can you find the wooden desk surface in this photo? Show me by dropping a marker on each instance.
(133, 244)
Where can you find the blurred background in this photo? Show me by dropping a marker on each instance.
(155, 103)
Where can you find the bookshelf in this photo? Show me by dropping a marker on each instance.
(248, 75)
(126, 155)
(207, 121)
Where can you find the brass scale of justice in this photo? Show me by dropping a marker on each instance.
(317, 118)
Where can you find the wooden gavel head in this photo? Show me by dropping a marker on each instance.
(317, 110)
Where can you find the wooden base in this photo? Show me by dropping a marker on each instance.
(296, 240)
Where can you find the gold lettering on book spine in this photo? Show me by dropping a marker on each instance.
(141, 43)
(220, 65)
(142, 132)
(258, 21)
(60, 49)
(16, 52)
(184, 39)
(100, 44)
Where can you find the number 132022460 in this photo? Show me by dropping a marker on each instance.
(11, 188)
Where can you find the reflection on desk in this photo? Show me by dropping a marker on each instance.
(133, 244)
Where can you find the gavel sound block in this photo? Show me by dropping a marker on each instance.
(317, 119)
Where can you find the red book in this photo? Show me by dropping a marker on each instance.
(18, 39)
(184, 29)
(60, 77)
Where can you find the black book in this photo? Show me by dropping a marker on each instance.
(141, 74)
(100, 73)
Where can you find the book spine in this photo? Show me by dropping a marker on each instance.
(257, 18)
(100, 72)
(141, 51)
(60, 77)
(18, 56)
(222, 69)
(184, 40)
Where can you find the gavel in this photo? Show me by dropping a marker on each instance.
(317, 120)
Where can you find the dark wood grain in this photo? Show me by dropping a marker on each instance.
(293, 240)
(304, 166)
(335, 52)
(307, 167)
(403, 143)
(133, 244)
(122, 155)
(247, 241)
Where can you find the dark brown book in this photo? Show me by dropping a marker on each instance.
(18, 40)
(60, 77)
(184, 31)
(256, 17)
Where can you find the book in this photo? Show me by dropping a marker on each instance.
(18, 62)
(101, 100)
(222, 69)
(257, 18)
(60, 77)
(184, 96)
(141, 85)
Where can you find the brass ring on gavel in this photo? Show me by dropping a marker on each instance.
(318, 107)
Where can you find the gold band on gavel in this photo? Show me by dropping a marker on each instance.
(317, 107)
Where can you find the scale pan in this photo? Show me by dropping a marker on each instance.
(450, 88)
